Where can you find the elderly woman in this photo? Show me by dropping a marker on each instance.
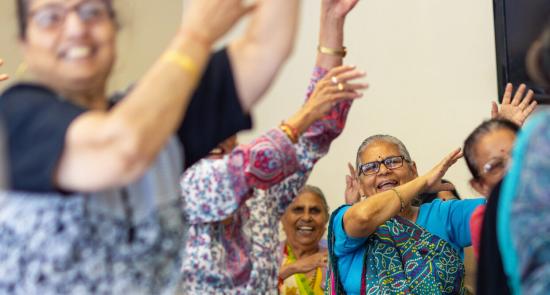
(382, 244)
(232, 248)
(304, 259)
(95, 206)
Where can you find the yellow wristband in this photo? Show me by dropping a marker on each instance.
(182, 60)
(331, 51)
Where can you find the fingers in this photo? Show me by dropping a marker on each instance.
(336, 71)
(4, 77)
(494, 110)
(530, 108)
(519, 95)
(527, 99)
(352, 170)
(507, 94)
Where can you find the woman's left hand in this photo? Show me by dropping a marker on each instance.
(339, 8)
(517, 109)
(338, 85)
(3, 77)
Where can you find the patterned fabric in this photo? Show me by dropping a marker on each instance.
(525, 196)
(126, 241)
(233, 249)
(298, 284)
(402, 258)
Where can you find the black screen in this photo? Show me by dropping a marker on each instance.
(517, 24)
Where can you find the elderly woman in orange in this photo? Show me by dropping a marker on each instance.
(304, 253)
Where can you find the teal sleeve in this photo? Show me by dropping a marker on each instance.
(459, 215)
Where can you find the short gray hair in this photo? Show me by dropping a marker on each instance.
(319, 193)
(385, 138)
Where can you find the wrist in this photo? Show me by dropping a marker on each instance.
(299, 121)
(198, 38)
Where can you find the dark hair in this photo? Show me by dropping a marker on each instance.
(481, 130)
(429, 197)
(23, 11)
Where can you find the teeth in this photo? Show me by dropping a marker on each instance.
(305, 228)
(78, 52)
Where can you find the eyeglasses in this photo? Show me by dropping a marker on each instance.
(52, 16)
(391, 163)
(495, 166)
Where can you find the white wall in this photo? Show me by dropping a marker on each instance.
(430, 63)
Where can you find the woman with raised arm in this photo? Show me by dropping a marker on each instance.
(382, 244)
(233, 245)
(94, 205)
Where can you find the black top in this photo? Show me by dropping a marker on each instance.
(36, 121)
(491, 278)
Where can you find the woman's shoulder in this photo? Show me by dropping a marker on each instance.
(26, 88)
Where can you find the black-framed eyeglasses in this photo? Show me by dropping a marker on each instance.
(391, 163)
(52, 16)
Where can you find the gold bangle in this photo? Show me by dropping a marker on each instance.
(400, 200)
(290, 132)
(331, 51)
(182, 60)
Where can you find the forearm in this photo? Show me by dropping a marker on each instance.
(258, 55)
(118, 146)
(287, 270)
(364, 217)
(157, 104)
(331, 35)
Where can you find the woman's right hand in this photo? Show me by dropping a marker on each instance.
(433, 177)
(336, 86)
(211, 19)
(307, 264)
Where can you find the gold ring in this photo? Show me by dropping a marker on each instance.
(334, 80)
(341, 86)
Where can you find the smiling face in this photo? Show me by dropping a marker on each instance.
(385, 179)
(492, 154)
(304, 221)
(70, 44)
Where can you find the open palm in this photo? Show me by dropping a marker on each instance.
(515, 109)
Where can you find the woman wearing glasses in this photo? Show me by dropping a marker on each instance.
(382, 244)
(95, 205)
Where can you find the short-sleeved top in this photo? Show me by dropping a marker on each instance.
(126, 240)
(448, 220)
(37, 119)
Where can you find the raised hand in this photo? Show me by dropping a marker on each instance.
(433, 177)
(211, 19)
(517, 109)
(353, 189)
(3, 77)
(339, 8)
(338, 85)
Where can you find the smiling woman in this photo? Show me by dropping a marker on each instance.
(383, 244)
(304, 255)
(94, 205)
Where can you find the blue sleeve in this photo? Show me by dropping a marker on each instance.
(344, 244)
(459, 213)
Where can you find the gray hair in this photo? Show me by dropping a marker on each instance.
(319, 193)
(385, 138)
